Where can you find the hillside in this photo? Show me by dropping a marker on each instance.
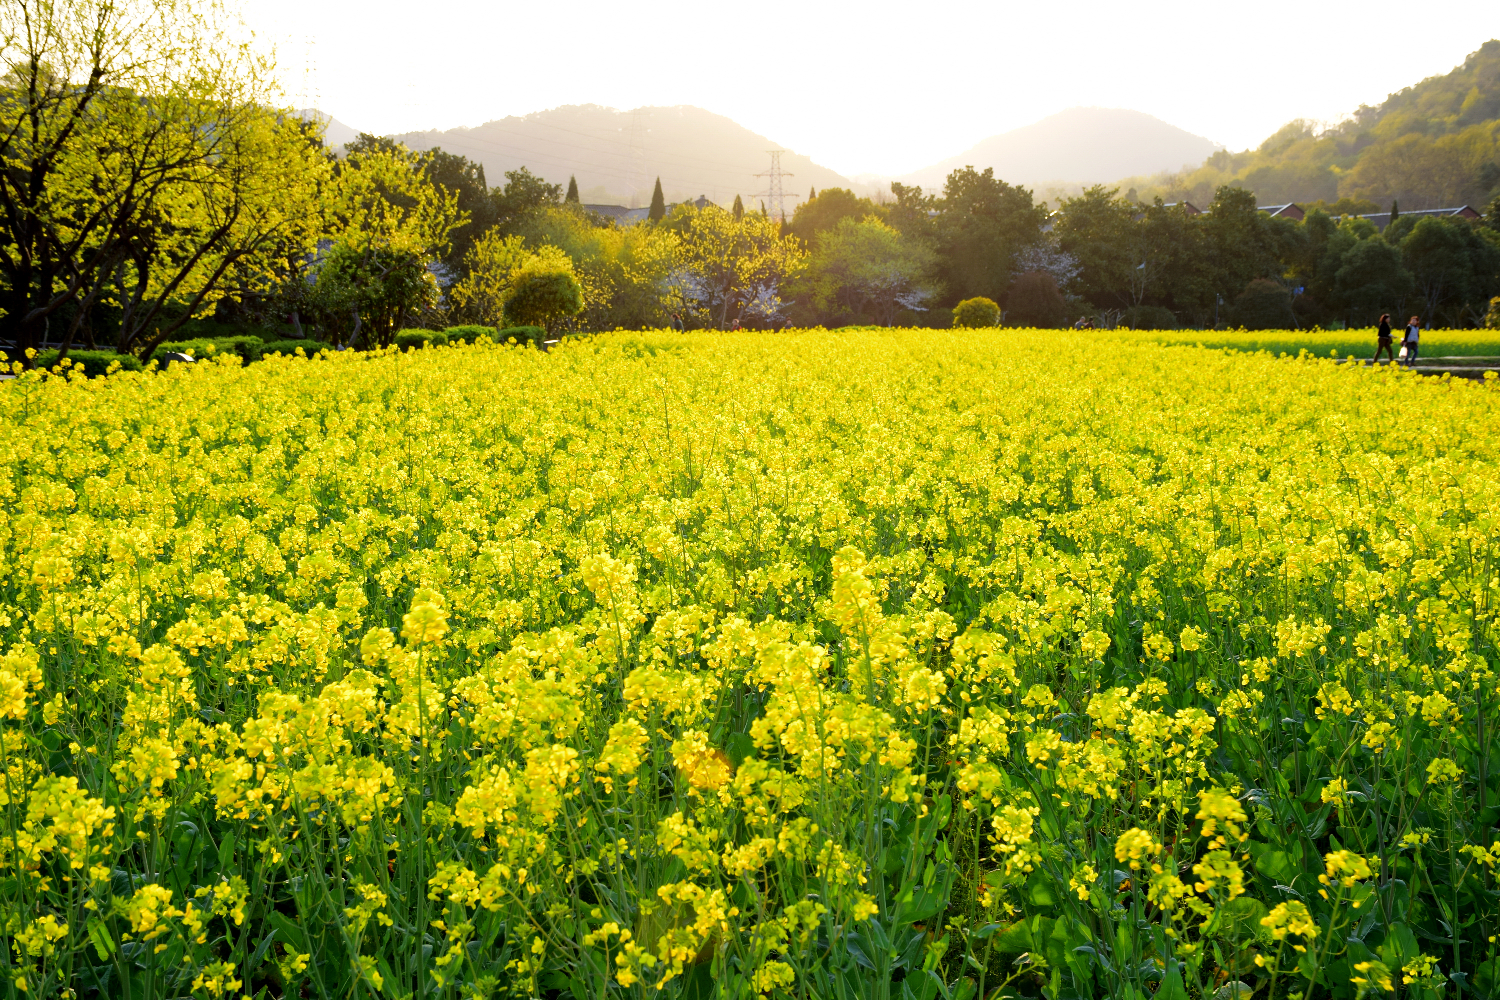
(1077, 146)
(617, 155)
(335, 132)
(1432, 145)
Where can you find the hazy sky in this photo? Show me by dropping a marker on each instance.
(880, 88)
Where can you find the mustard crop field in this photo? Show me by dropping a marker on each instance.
(910, 664)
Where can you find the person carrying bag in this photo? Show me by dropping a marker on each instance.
(1409, 341)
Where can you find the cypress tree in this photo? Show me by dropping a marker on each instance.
(739, 209)
(572, 190)
(812, 193)
(658, 204)
(1395, 211)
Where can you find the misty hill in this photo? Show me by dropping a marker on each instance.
(1433, 145)
(617, 155)
(1077, 146)
(335, 132)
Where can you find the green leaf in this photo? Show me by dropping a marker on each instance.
(288, 930)
(1399, 947)
(1172, 987)
(740, 747)
(99, 935)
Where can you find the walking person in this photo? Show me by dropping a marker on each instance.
(1384, 343)
(1409, 342)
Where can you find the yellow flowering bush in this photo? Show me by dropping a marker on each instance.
(894, 664)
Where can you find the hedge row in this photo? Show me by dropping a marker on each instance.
(413, 339)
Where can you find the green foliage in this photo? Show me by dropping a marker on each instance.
(982, 224)
(658, 210)
(1098, 228)
(542, 296)
(414, 339)
(522, 335)
(523, 195)
(290, 347)
(373, 287)
(827, 209)
(1427, 146)
(248, 347)
(1034, 301)
(1148, 318)
(728, 271)
(464, 179)
(93, 363)
(1492, 317)
(1452, 265)
(976, 313)
(1263, 305)
(468, 334)
(864, 268)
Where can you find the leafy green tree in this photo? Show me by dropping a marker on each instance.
(624, 272)
(658, 204)
(739, 209)
(464, 178)
(490, 268)
(572, 195)
(1454, 269)
(730, 270)
(1263, 305)
(823, 212)
(524, 195)
(1035, 301)
(141, 163)
(1241, 240)
(982, 223)
(864, 269)
(375, 286)
(1098, 228)
(1370, 280)
(1174, 267)
(913, 212)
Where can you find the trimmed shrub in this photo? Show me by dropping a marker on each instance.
(247, 346)
(289, 347)
(93, 363)
(522, 334)
(541, 297)
(976, 313)
(468, 334)
(1034, 300)
(413, 339)
(1148, 318)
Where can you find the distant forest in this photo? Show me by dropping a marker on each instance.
(1433, 145)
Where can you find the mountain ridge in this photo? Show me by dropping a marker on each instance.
(618, 155)
(1077, 146)
(1435, 144)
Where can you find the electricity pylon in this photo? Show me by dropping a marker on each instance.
(773, 194)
